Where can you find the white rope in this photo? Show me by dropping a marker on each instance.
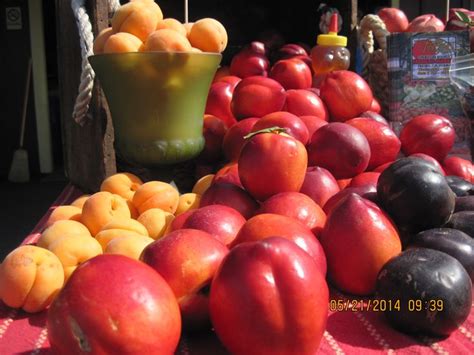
(86, 39)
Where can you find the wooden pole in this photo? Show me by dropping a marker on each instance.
(88, 150)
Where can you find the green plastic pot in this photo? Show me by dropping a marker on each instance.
(157, 102)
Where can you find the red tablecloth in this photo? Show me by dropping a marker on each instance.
(347, 332)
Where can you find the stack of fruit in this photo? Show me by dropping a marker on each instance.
(314, 189)
(139, 26)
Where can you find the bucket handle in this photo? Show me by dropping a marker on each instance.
(86, 40)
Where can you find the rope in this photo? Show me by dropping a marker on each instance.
(370, 26)
(86, 39)
(374, 62)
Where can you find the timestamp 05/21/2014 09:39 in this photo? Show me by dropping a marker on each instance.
(382, 305)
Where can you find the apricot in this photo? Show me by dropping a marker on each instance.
(79, 202)
(133, 210)
(64, 213)
(101, 208)
(203, 184)
(127, 225)
(172, 24)
(187, 26)
(167, 40)
(105, 236)
(130, 245)
(151, 5)
(156, 194)
(61, 229)
(156, 221)
(30, 278)
(100, 40)
(122, 184)
(136, 18)
(122, 42)
(188, 201)
(73, 250)
(209, 35)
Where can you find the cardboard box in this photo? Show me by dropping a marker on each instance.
(418, 73)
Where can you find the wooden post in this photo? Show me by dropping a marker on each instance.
(88, 150)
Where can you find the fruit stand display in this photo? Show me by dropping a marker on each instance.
(306, 223)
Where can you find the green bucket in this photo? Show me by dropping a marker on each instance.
(157, 102)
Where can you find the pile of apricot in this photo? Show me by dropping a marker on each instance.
(139, 26)
(123, 218)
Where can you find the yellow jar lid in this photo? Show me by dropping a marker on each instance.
(332, 39)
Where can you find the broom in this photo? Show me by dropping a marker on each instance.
(19, 169)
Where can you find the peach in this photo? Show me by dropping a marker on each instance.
(167, 40)
(136, 18)
(209, 35)
(156, 194)
(130, 245)
(79, 202)
(101, 208)
(122, 184)
(203, 184)
(64, 213)
(100, 40)
(122, 42)
(61, 229)
(73, 250)
(30, 278)
(188, 201)
(172, 24)
(156, 221)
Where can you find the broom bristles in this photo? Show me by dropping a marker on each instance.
(19, 170)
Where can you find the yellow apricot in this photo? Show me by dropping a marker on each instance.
(167, 40)
(59, 229)
(209, 35)
(203, 184)
(172, 24)
(188, 201)
(136, 18)
(100, 40)
(30, 278)
(156, 221)
(122, 42)
(131, 246)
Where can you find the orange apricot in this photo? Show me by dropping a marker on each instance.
(167, 40)
(209, 35)
(101, 208)
(188, 201)
(203, 184)
(131, 246)
(156, 221)
(187, 26)
(153, 6)
(136, 18)
(79, 202)
(60, 229)
(73, 250)
(172, 24)
(122, 42)
(127, 225)
(30, 278)
(156, 194)
(105, 236)
(64, 213)
(122, 184)
(100, 40)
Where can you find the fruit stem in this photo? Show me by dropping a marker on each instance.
(274, 129)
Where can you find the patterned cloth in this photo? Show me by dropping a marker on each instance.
(347, 332)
